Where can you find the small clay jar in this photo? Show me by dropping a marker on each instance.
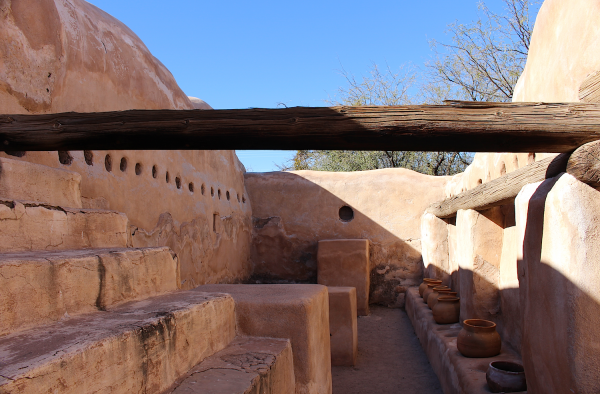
(478, 338)
(506, 377)
(446, 310)
(425, 282)
(437, 291)
(429, 290)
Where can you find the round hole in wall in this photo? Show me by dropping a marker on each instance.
(88, 155)
(108, 163)
(212, 192)
(219, 193)
(228, 196)
(138, 168)
(65, 158)
(123, 165)
(154, 171)
(191, 187)
(346, 213)
(178, 182)
(202, 189)
(167, 177)
(479, 181)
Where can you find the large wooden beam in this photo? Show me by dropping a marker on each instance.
(460, 126)
(502, 190)
(584, 164)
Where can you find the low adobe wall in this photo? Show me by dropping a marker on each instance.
(292, 211)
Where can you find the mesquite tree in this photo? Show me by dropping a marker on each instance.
(482, 62)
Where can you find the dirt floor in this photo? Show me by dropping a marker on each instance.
(390, 358)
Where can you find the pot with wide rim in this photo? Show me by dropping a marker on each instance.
(437, 291)
(423, 285)
(479, 338)
(506, 377)
(446, 310)
(429, 290)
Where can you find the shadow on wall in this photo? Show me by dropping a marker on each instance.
(553, 318)
(293, 211)
(559, 290)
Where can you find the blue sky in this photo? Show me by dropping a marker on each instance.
(242, 54)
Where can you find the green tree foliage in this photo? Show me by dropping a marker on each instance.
(482, 63)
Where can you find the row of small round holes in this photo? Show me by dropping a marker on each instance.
(65, 158)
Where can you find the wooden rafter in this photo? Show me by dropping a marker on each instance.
(459, 126)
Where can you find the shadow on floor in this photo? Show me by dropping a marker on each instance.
(390, 358)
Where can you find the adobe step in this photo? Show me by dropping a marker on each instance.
(43, 287)
(142, 346)
(40, 226)
(24, 181)
(249, 365)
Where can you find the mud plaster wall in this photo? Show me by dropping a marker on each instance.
(67, 55)
(292, 211)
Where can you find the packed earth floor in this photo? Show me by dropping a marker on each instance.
(390, 358)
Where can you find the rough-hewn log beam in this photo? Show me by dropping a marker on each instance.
(584, 164)
(501, 190)
(460, 126)
(589, 90)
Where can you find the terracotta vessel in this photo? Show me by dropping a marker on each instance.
(506, 377)
(429, 290)
(437, 291)
(425, 282)
(446, 310)
(478, 338)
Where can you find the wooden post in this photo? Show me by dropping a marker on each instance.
(584, 164)
(501, 190)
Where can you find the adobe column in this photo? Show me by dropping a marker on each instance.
(345, 262)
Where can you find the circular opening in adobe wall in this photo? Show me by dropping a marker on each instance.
(346, 213)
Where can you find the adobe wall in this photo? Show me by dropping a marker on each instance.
(531, 266)
(82, 59)
(292, 211)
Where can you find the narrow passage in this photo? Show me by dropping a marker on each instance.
(390, 358)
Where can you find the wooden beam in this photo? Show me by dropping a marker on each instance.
(460, 126)
(584, 164)
(589, 90)
(501, 190)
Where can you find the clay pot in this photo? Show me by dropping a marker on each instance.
(437, 291)
(478, 338)
(425, 282)
(506, 377)
(429, 290)
(446, 310)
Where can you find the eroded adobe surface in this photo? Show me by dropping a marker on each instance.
(76, 57)
(292, 211)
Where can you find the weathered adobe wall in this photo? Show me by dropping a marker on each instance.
(564, 50)
(67, 55)
(534, 272)
(292, 211)
(559, 271)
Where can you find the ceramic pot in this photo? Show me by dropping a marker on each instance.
(429, 290)
(437, 291)
(478, 338)
(506, 377)
(425, 282)
(446, 310)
